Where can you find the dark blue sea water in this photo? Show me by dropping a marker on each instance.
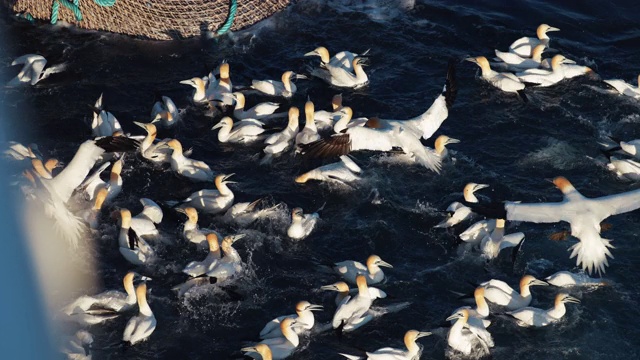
(511, 145)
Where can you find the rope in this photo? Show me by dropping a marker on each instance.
(74, 7)
(233, 7)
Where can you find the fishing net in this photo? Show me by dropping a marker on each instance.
(150, 19)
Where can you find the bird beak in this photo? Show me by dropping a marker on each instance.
(451, 141)
(227, 176)
(385, 264)
(313, 307)
(249, 348)
(329, 287)
(145, 278)
(187, 82)
(237, 237)
(181, 210)
(473, 60)
(552, 29)
(300, 76)
(480, 186)
(311, 53)
(452, 317)
(571, 299)
(218, 125)
(568, 61)
(423, 334)
(142, 125)
(539, 282)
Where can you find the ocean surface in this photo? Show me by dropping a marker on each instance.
(509, 144)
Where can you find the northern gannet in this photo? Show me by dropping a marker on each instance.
(475, 233)
(514, 62)
(350, 270)
(346, 120)
(352, 313)
(199, 94)
(571, 70)
(342, 59)
(525, 45)
(542, 77)
(134, 248)
(625, 88)
(303, 316)
(231, 263)
(499, 293)
(108, 303)
(190, 229)
(440, 145)
(78, 347)
(144, 223)
(103, 123)
(347, 78)
(279, 142)
(626, 169)
(211, 201)
(243, 131)
(583, 214)
(192, 169)
(221, 89)
(502, 80)
(310, 131)
(261, 111)
(115, 181)
(531, 316)
(141, 326)
(491, 245)
(478, 315)
(93, 183)
(197, 268)
(411, 352)
(343, 171)
(17, 151)
(285, 88)
(260, 349)
(55, 193)
(245, 213)
(462, 339)
(567, 279)
(631, 147)
(157, 152)
(301, 224)
(325, 119)
(459, 210)
(33, 70)
(343, 291)
(165, 113)
(281, 347)
(90, 216)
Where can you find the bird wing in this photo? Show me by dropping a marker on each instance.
(511, 240)
(376, 293)
(336, 145)
(350, 164)
(619, 203)
(536, 213)
(151, 211)
(509, 57)
(273, 324)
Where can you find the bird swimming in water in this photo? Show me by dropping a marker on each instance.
(190, 229)
(353, 312)
(195, 170)
(513, 62)
(261, 111)
(542, 77)
(343, 172)
(492, 245)
(310, 132)
(499, 293)
(525, 45)
(210, 201)
(504, 81)
(165, 113)
(284, 88)
(243, 131)
(303, 316)
(104, 123)
(530, 316)
(350, 270)
(411, 352)
(279, 142)
(281, 347)
(462, 339)
(342, 59)
(624, 88)
(338, 75)
(197, 268)
(343, 291)
(569, 279)
(301, 224)
(141, 326)
(132, 247)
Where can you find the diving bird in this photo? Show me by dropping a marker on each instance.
(310, 132)
(513, 62)
(33, 70)
(353, 312)
(525, 45)
(56, 192)
(210, 201)
(301, 224)
(462, 339)
(107, 303)
(243, 131)
(499, 293)
(583, 214)
(504, 81)
(284, 88)
(624, 88)
(141, 326)
(338, 75)
(530, 316)
(197, 268)
(542, 77)
(411, 352)
(568, 279)
(350, 270)
(491, 245)
(343, 172)
(303, 316)
(104, 123)
(261, 111)
(342, 59)
(279, 142)
(195, 170)
(342, 288)
(132, 247)
(281, 347)
(165, 113)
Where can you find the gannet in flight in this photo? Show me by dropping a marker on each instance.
(285, 88)
(343, 171)
(350, 270)
(411, 352)
(504, 81)
(568, 279)
(33, 70)
(192, 169)
(499, 293)
(303, 316)
(543, 77)
(301, 224)
(583, 214)
(525, 45)
(624, 88)
(210, 201)
(343, 291)
(141, 326)
(165, 113)
(530, 316)
(243, 131)
(462, 339)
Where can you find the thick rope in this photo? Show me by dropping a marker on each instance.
(74, 7)
(233, 7)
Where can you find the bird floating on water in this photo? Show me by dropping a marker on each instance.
(350, 270)
(141, 326)
(530, 316)
(303, 316)
(411, 352)
(343, 172)
(302, 224)
(525, 45)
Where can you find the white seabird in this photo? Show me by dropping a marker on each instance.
(165, 113)
(33, 70)
(195, 170)
(499, 293)
(261, 111)
(337, 75)
(279, 142)
(132, 247)
(282, 347)
(462, 339)
(141, 326)
(104, 123)
(190, 229)
(514, 62)
(342, 59)
(491, 245)
(459, 210)
(624, 88)
(350, 270)
(197, 268)
(530, 316)
(303, 316)
(542, 77)
(504, 81)
(343, 171)
(326, 119)
(310, 131)
(301, 224)
(284, 88)
(411, 352)
(525, 45)
(210, 201)
(568, 279)
(353, 312)
(243, 131)
(342, 288)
